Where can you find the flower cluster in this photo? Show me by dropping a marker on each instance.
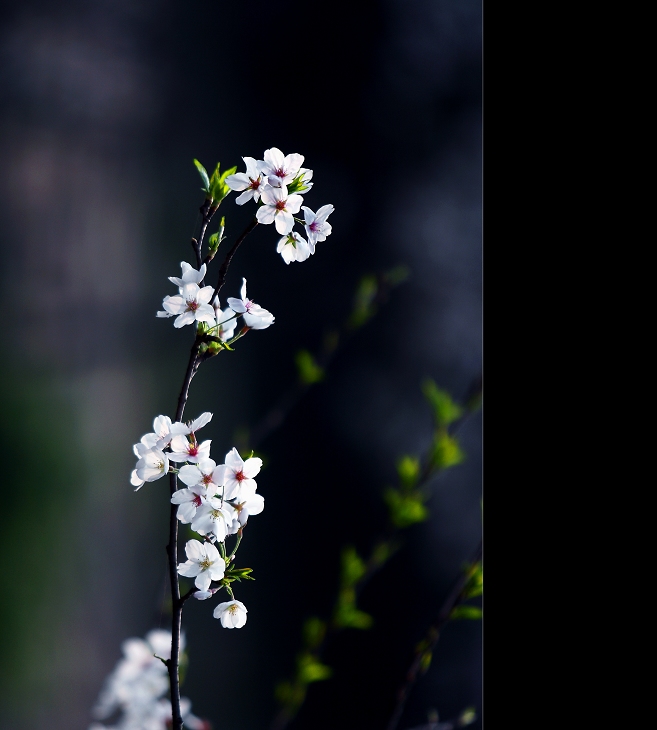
(191, 305)
(277, 184)
(217, 500)
(133, 692)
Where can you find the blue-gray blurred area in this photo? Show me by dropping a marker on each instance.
(105, 104)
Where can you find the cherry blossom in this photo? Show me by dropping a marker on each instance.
(226, 321)
(279, 208)
(316, 226)
(191, 306)
(186, 449)
(246, 504)
(204, 564)
(280, 170)
(212, 518)
(253, 314)
(206, 473)
(293, 248)
(189, 500)
(189, 275)
(240, 472)
(152, 465)
(250, 181)
(231, 613)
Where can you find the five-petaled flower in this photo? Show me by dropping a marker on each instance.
(190, 306)
(231, 613)
(280, 170)
(253, 314)
(239, 473)
(316, 226)
(204, 564)
(279, 208)
(251, 181)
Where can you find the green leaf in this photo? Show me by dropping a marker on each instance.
(475, 585)
(405, 508)
(309, 371)
(310, 669)
(445, 410)
(446, 451)
(364, 307)
(314, 630)
(353, 568)
(204, 176)
(468, 716)
(473, 613)
(349, 617)
(408, 468)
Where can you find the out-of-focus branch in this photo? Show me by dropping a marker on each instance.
(424, 650)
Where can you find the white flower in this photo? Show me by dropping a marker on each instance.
(316, 226)
(240, 472)
(231, 613)
(185, 449)
(152, 465)
(204, 564)
(279, 208)
(254, 315)
(293, 248)
(246, 504)
(189, 275)
(250, 181)
(205, 473)
(212, 519)
(278, 169)
(225, 321)
(189, 500)
(191, 306)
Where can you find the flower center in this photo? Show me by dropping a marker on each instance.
(207, 479)
(197, 500)
(205, 564)
(255, 184)
(281, 205)
(192, 306)
(240, 476)
(314, 226)
(233, 608)
(192, 450)
(280, 172)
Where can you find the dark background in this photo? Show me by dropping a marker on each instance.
(105, 103)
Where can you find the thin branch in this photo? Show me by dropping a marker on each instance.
(456, 596)
(172, 548)
(229, 257)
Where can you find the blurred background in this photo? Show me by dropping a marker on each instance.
(104, 105)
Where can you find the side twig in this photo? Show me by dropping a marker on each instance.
(456, 596)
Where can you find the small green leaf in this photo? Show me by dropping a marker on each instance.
(445, 410)
(405, 508)
(473, 613)
(310, 669)
(309, 371)
(314, 630)
(468, 716)
(364, 301)
(408, 468)
(475, 585)
(204, 176)
(425, 660)
(446, 451)
(353, 568)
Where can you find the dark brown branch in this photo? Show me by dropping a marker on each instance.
(456, 596)
(172, 548)
(229, 257)
(172, 555)
(197, 243)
